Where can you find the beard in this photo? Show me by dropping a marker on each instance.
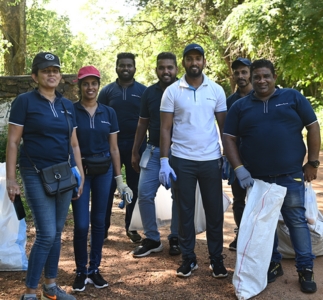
(193, 74)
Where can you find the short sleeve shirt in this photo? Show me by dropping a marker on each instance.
(45, 128)
(126, 103)
(195, 136)
(271, 131)
(93, 131)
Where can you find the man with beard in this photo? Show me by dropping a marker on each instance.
(124, 96)
(190, 106)
(149, 165)
(241, 76)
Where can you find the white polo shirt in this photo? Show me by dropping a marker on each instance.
(195, 136)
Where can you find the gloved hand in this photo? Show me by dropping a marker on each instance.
(78, 178)
(124, 191)
(165, 172)
(244, 177)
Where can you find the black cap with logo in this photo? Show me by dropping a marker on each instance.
(45, 59)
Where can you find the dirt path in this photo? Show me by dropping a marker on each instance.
(154, 277)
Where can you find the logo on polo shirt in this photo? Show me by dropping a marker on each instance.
(137, 96)
(106, 122)
(281, 104)
(211, 99)
(49, 57)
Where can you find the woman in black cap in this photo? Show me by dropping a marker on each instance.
(40, 119)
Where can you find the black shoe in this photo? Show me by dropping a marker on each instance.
(233, 244)
(147, 246)
(96, 279)
(174, 247)
(79, 282)
(187, 267)
(306, 279)
(275, 270)
(134, 236)
(216, 265)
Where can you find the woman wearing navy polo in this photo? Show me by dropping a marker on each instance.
(38, 117)
(97, 129)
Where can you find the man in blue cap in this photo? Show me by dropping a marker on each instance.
(241, 76)
(188, 109)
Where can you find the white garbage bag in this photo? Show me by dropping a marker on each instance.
(12, 232)
(256, 238)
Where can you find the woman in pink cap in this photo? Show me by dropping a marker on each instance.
(97, 129)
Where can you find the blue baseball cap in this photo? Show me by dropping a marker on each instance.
(239, 61)
(193, 47)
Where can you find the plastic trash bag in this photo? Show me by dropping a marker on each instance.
(256, 238)
(12, 232)
(199, 216)
(311, 213)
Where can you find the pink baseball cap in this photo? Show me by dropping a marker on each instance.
(88, 71)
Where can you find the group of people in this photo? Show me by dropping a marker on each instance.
(261, 136)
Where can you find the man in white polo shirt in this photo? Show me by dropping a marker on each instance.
(190, 107)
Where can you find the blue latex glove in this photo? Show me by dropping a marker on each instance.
(244, 177)
(78, 178)
(166, 173)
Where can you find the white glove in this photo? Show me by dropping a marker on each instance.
(244, 177)
(123, 189)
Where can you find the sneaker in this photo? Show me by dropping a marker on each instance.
(29, 298)
(216, 265)
(233, 244)
(134, 236)
(174, 247)
(55, 293)
(306, 279)
(79, 282)
(147, 246)
(96, 279)
(275, 270)
(187, 267)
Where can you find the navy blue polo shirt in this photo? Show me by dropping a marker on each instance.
(233, 98)
(93, 132)
(126, 103)
(271, 131)
(150, 109)
(45, 132)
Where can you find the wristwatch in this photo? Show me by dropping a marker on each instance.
(314, 163)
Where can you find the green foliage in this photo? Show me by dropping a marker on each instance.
(3, 143)
(47, 31)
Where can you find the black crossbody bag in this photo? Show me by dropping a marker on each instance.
(58, 178)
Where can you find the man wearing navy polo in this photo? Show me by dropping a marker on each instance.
(189, 108)
(269, 122)
(124, 96)
(149, 165)
(241, 76)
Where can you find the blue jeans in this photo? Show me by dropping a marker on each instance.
(208, 175)
(132, 178)
(293, 212)
(147, 189)
(49, 215)
(97, 188)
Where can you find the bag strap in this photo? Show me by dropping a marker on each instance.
(69, 141)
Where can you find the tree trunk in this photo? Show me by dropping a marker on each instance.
(13, 28)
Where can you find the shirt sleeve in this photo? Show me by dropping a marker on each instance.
(144, 112)
(231, 124)
(167, 102)
(18, 111)
(221, 105)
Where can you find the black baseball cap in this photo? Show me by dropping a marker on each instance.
(45, 59)
(193, 47)
(239, 61)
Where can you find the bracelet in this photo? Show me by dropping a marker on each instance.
(238, 167)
